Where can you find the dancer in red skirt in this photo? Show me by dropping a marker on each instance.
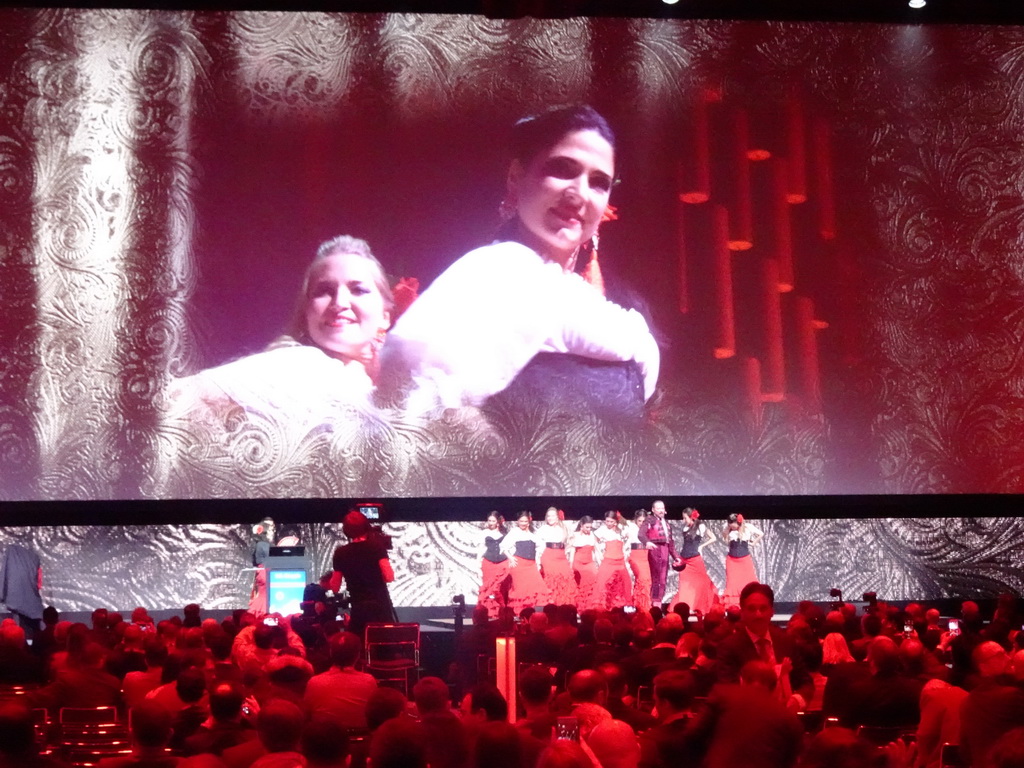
(494, 566)
(582, 543)
(639, 561)
(528, 588)
(739, 565)
(554, 565)
(613, 583)
(695, 586)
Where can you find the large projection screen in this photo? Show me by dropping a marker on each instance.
(821, 223)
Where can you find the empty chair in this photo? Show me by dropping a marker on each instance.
(393, 653)
(87, 735)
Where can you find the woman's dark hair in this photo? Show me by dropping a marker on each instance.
(501, 521)
(638, 514)
(583, 521)
(536, 133)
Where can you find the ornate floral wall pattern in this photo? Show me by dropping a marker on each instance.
(168, 566)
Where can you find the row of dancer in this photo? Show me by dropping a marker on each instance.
(615, 562)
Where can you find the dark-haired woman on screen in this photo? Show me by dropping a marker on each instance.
(493, 311)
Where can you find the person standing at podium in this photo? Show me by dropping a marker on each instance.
(264, 530)
(364, 567)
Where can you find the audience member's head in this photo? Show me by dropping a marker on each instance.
(615, 680)
(539, 623)
(669, 629)
(759, 674)
(226, 703)
(674, 691)
(883, 656)
(191, 685)
(151, 724)
(324, 741)
(345, 649)
(432, 696)
(536, 686)
(588, 686)
(11, 635)
(263, 636)
(497, 745)
(838, 748)
(990, 659)
(564, 753)
(485, 703)
(614, 744)
(384, 704)
(290, 673)
(589, 716)
(279, 725)
(912, 657)
(757, 606)
(399, 743)
(834, 649)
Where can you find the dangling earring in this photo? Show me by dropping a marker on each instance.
(592, 272)
(507, 208)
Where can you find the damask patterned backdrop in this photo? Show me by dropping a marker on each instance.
(823, 222)
(169, 566)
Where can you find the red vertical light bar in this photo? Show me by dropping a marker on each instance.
(681, 260)
(695, 166)
(796, 151)
(821, 137)
(741, 222)
(773, 373)
(780, 226)
(807, 368)
(725, 328)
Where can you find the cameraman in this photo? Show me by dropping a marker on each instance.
(363, 564)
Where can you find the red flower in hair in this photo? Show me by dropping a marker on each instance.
(405, 293)
(561, 515)
(609, 214)
(739, 519)
(694, 515)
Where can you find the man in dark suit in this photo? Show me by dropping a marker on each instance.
(665, 743)
(745, 725)
(754, 637)
(656, 536)
(886, 697)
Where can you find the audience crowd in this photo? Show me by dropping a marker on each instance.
(889, 687)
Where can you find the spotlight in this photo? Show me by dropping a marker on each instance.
(670, 2)
(917, 3)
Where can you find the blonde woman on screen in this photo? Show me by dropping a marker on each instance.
(328, 354)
